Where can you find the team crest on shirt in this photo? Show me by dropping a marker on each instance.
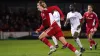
(87, 15)
(91, 15)
(43, 14)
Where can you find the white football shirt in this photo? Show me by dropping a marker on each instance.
(74, 18)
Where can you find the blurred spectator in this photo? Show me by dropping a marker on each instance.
(18, 20)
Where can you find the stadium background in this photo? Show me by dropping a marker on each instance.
(22, 16)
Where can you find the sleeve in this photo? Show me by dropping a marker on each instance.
(56, 16)
(80, 16)
(42, 15)
(59, 10)
(67, 18)
(96, 20)
(40, 28)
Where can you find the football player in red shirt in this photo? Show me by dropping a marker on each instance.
(91, 25)
(52, 28)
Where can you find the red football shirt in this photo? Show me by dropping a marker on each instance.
(46, 18)
(91, 19)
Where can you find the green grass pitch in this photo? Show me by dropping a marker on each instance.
(37, 48)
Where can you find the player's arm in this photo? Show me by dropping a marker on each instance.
(56, 16)
(97, 22)
(39, 29)
(67, 20)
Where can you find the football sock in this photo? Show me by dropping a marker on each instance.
(70, 47)
(78, 42)
(46, 41)
(54, 40)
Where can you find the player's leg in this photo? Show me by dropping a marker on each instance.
(90, 39)
(55, 41)
(75, 34)
(43, 38)
(59, 36)
(93, 41)
(70, 46)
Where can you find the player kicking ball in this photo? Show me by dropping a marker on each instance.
(74, 17)
(53, 29)
(91, 25)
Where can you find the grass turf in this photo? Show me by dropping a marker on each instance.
(37, 48)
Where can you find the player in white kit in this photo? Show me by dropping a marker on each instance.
(74, 18)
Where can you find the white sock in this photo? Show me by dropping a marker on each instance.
(76, 52)
(79, 42)
(90, 47)
(51, 47)
(54, 40)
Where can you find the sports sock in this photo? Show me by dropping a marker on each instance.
(93, 42)
(78, 42)
(54, 40)
(90, 40)
(70, 47)
(46, 41)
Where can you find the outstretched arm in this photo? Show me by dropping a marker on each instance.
(39, 29)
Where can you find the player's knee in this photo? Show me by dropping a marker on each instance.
(42, 35)
(75, 35)
(90, 35)
(62, 40)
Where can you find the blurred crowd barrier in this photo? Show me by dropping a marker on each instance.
(33, 35)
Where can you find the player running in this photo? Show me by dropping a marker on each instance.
(74, 17)
(57, 19)
(53, 29)
(91, 25)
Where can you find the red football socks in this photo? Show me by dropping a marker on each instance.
(70, 47)
(92, 42)
(45, 40)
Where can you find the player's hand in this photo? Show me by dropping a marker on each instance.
(65, 24)
(62, 19)
(37, 31)
(93, 29)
